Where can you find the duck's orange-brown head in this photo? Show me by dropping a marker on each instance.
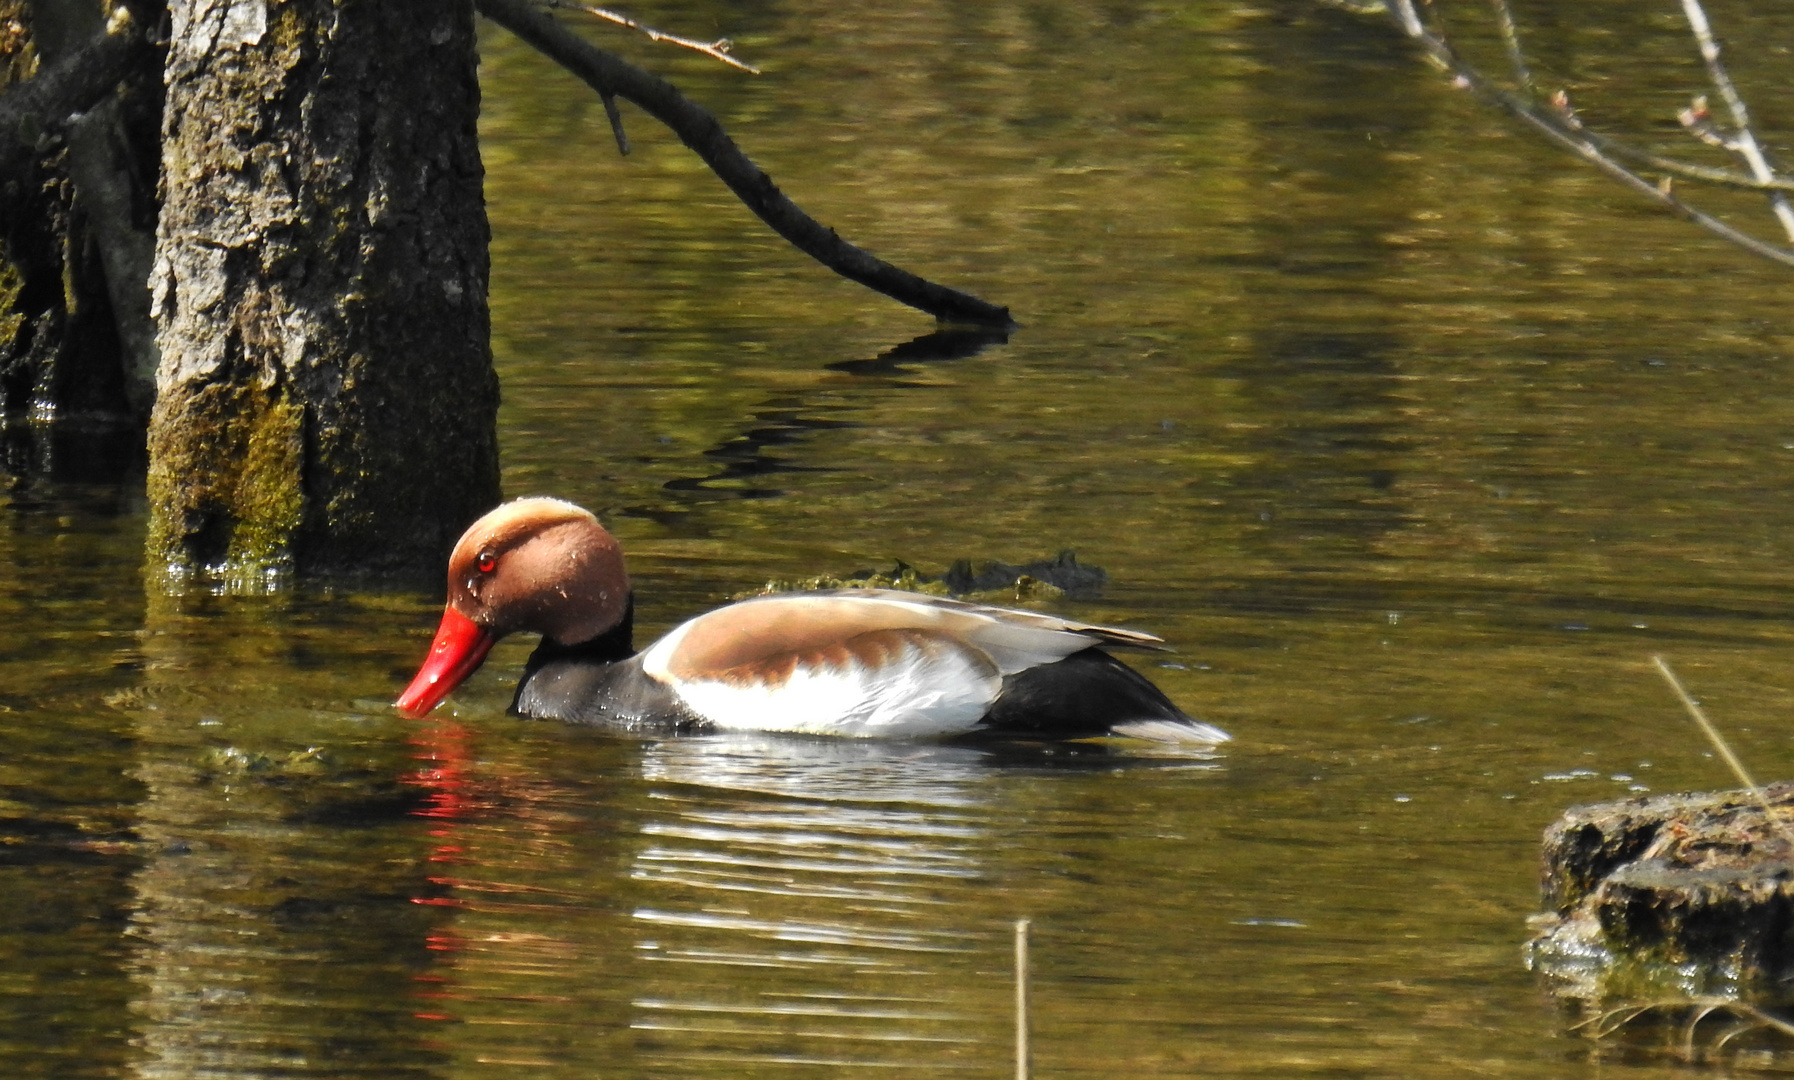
(540, 565)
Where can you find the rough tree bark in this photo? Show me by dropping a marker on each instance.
(325, 397)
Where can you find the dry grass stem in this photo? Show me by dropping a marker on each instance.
(1725, 751)
(1023, 1053)
(1747, 1017)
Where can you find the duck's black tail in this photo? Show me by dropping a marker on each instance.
(1092, 693)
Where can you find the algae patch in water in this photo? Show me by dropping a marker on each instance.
(991, 581)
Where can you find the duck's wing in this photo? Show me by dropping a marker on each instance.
(860, 661)
(764, 628)
(1109, 636)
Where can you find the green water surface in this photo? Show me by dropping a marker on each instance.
(1415, 438)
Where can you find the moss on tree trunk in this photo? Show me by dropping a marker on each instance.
(325, 397)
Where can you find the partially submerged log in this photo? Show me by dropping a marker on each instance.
(1671, 898)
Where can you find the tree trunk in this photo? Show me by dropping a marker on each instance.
(66, 298)
(325, 395)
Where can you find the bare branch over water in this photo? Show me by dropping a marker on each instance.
(698, 129)
(1553, 118)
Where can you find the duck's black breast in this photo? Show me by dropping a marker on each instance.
(600, 682)
(615, 694)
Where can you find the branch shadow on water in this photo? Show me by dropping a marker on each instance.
(747, 461)
(943, 345)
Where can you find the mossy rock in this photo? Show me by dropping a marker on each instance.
(1670, 898)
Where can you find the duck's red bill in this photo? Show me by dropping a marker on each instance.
(460, 647)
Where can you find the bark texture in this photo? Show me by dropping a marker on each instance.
(325, 395)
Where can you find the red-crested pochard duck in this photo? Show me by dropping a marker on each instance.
(856, 662)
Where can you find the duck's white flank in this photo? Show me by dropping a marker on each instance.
(919, 685)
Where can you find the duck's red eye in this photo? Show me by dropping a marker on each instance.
(487, 562)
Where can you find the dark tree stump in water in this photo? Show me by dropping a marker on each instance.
(1687, 895)
(77, 225)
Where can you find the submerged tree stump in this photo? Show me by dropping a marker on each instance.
(1670, 898)
(74, 189)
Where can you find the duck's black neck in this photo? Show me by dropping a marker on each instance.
(613, 645)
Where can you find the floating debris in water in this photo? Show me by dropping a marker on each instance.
(1573, 774)
(1042, 580)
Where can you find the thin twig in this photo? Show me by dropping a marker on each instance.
(1510, 35)
(699, 130)
(1687, 170)
(1745, 143)
(1725, 751)
(720, 49)
(616, 121)
(1580, 144)
(1405, 14)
